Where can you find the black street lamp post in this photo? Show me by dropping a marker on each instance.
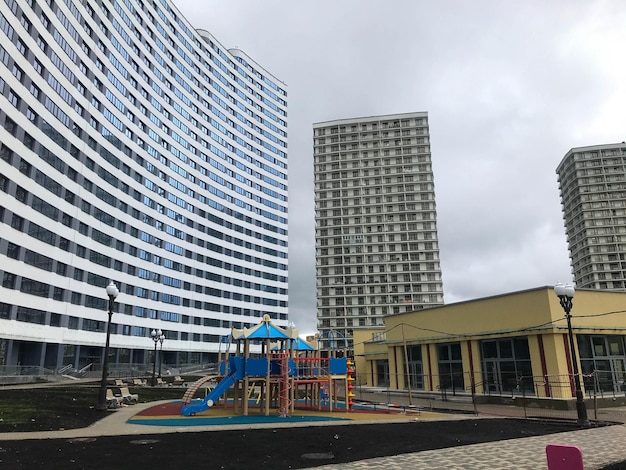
(155, 337)
(112, 292)
(161, 339)
(565, 293)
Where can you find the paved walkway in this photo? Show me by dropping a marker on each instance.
(600, 446)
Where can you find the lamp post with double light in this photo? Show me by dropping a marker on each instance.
(112, 293)
(161, 339)
(565, 293)
(155, 334)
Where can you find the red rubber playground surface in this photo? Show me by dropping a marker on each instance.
(168, 414)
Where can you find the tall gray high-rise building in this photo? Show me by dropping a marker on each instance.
(592, 182)
(377, 250)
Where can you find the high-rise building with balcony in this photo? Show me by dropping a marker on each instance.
(592, 183)
(137, 149)
(377, 250)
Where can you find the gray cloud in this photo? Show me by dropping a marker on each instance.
(510, 87)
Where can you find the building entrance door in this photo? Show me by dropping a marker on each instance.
(493, 381)
(611, 374)
(382, 373)
(417, 375)
(618, 369)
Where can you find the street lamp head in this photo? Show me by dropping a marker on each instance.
(559, 287)
(156, 336)
(564, 290)
(112, 290)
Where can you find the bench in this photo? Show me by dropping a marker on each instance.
(113, 401)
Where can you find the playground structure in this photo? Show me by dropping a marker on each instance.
(286, 371)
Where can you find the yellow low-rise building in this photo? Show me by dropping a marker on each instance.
(511, 343)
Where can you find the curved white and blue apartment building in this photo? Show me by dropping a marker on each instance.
(134, 149)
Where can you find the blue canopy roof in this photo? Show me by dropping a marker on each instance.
(300, 345)
(264, 330)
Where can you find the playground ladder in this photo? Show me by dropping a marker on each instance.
(282, 358)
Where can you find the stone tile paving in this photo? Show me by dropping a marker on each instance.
(600, 447)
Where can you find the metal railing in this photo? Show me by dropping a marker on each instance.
(65, 369)
(94, 370)
(35, 371)
(550, 396)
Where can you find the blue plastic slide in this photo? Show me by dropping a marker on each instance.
(211, 398)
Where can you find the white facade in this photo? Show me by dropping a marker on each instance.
(377, 250)
(592, 182)
(139, 150)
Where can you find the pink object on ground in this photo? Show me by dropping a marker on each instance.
(562, 457)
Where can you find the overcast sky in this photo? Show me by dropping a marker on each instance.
(509, 87)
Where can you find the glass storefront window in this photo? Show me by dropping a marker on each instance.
(616, 346)
(506, 365)
(603, 363)
(416, 370)
(450, 366)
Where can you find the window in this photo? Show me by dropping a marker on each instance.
(17, 222)
(8, 281)
(42, 44)
(13, 250)
(29, 141)
(32, 287)
(14, 99)
(61, 269)
(603, 360)
(25, 23)
(25, 167)
(21, 194)
(31, 315)
(31, 115)
(5, 311)
(450, 366)
(6, 154)
(58, 294)
(10, 126)
(17, 72)
(34, 91)
(506, 365)
(83, 228)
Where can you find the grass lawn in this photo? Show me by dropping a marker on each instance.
(64, 407)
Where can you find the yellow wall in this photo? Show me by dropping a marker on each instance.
(509, 313)
(475, 363)
(473, 318)
(526, 313)
(365, 363)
